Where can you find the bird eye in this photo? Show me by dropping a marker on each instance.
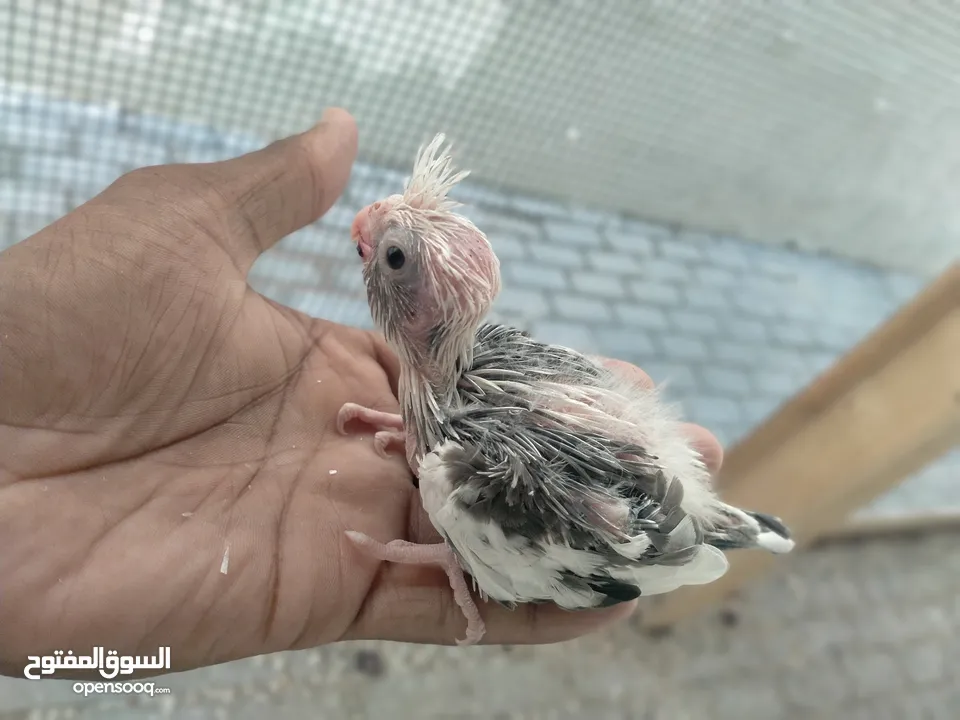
(359, 250)
(395, 258)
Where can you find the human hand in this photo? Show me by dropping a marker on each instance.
(156, 411)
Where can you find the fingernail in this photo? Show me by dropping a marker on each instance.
(327, 115)
(324, 116)
(332, 117)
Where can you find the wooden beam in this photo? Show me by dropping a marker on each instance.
(882, 527)
(883, 412)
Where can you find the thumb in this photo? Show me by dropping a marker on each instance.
(287, 185)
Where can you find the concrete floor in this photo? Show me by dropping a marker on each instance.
(859, 632)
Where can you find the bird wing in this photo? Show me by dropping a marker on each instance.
(538, 510)
(581, 395)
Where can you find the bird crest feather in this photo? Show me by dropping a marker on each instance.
(433, 177)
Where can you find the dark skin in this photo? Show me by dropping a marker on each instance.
(156, 409)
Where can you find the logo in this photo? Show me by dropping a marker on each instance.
(109, 663)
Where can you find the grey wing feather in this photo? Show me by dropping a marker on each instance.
(549, 486)
(504, 353)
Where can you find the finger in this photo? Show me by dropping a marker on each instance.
(709, 448)
(416, 605)
(702, 440)
(287, 185)
(628, 371)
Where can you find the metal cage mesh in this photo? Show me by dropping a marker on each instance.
(623, 155)
(692, 113)
(780, 121)
(824, 124)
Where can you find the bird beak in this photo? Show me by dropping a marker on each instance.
(360, 232)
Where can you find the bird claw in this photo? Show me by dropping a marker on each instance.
(385, 438)
(475, 632)
(377, 418)
(408, 553)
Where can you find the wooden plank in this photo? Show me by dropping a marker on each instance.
(884, 411)
(876, 528)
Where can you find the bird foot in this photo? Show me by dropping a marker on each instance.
(381, 420)
(385, 438)
(408, 553)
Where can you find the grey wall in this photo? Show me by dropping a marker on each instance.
(734, 327)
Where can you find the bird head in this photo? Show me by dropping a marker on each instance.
(431, 275)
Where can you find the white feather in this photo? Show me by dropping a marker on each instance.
(769, 541)
(511, 570)
(433, 177)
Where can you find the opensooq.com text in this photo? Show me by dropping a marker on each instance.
(99, 688)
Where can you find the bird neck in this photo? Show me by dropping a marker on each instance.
(421, 405)
(428, 391)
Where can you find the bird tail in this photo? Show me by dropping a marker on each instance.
(745, 529)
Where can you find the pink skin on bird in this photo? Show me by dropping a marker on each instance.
(467, 279)
(360, 228)
(468, 271)
(459, 278)
(390, 426)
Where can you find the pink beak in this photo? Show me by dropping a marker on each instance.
(360, 231)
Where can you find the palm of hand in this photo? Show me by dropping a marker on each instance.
(153, 458)
(165, 412)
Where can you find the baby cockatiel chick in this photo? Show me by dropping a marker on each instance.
(550, 477)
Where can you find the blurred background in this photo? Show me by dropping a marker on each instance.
(729, 194)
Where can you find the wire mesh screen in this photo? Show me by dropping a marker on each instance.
(824, 124)
(624, 153)
(830, 125)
